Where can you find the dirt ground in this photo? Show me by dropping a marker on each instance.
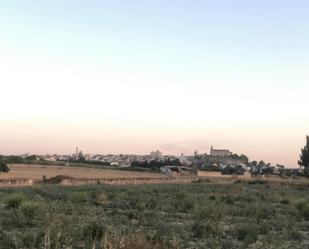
(36, 172)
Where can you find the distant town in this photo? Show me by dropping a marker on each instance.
(126, 160)
(220, 160)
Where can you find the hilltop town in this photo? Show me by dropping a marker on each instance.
(217, 160)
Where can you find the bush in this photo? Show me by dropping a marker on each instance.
(94, 231)
(200, 229)
(30, 209)
(248, 232)
(15, 200)
(303, 209)
(206, 220)
(101, 199)
(184, 204)
(4, 168)
(79, 197)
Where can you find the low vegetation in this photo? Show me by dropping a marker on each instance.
(155, 165)
(205, 214)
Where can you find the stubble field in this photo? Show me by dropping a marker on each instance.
(36, 172)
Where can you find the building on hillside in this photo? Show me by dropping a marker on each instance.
(216, 152)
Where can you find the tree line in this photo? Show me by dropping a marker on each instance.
(156, 164)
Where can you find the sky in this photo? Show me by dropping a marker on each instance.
(135, 76)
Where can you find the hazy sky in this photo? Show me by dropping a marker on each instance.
(134, 76)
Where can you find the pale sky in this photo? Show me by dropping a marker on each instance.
(135, 76)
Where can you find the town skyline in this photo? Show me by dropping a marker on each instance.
(167, 149)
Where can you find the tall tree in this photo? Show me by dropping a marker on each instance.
(304, 157)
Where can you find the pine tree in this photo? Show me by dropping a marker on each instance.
(304, 158)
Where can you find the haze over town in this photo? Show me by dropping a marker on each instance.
(133, 77)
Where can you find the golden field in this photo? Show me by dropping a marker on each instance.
(36, 172)
(218, 174)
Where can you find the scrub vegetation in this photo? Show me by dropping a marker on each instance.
(206, 214)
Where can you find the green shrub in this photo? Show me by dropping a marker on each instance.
(184, 204)
(248, 232)
(200, 229)
(206, 219)
(303, 209)
(79, 197)
(15, 200)
(208, 211)
(93, 232)
(30, 209)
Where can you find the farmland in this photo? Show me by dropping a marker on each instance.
(36, 172)
(205, 214)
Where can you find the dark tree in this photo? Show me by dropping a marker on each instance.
(4, 168)
(304, 157)
(254, 163)
(31, 158)
(244, 158)
(233, 170)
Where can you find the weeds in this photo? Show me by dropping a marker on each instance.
(198, 215)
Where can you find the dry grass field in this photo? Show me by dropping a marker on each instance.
(218, 174)
(217, 178)
(36, 172)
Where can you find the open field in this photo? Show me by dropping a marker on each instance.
(218, 174)
(36, 172)
(27, 175)
(200, 215)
